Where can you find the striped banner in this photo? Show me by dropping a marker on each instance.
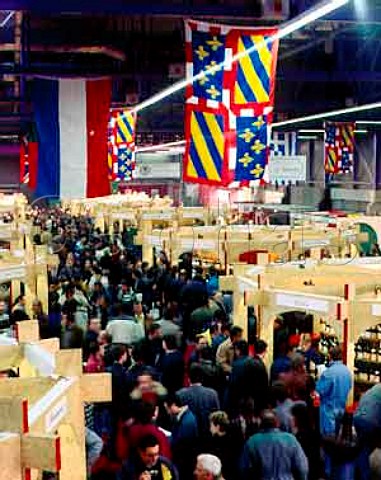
(206, 151)
(123, 147)
(125, 127)
(254, 71)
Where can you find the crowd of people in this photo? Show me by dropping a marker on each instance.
(191, 399)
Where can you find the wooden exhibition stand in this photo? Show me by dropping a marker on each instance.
(42, 424)
(341, 294)
(227, 243)
(32, 275)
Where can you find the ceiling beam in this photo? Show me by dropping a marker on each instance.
(132, 7)
(361, 11)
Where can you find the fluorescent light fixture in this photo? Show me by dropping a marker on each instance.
(333, 113)
(320, 10)
(368, 122)
(312, 130)
(307, 137)
(160, 146)
(6, 19)
(317, 130)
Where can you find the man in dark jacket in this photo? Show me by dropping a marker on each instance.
(201, 400)
(247, 380)
(72, 334)
(172, 365)
(147, 464)
(184, 436)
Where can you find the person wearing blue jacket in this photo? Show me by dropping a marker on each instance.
(367, 421)
(272, 454)
(333, 387)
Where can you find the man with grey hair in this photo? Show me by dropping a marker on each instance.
(208, 467)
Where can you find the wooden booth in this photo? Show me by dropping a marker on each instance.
(343, 300)
(42, 425)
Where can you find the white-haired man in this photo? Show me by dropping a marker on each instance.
(208, 467)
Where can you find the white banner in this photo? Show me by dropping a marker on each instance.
(296, 301)
(288, 169)
(157, 170)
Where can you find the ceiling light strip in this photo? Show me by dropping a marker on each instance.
(310, 16)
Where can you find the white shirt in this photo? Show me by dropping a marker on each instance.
(125, 331)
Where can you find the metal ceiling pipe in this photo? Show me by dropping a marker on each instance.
(88, 49)
(18, 46)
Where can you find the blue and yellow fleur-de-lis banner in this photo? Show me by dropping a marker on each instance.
(125, 163)
(243, 89)
(121, 158)
(205, 157)
(252, 148)
(208, 51)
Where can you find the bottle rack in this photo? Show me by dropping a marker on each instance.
(328, 338)
(368, 358)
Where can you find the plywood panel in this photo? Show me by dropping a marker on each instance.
(10, 458)
(12, 414)
(28, 331)
(96, 387)
(30, 388)
(41, 452)
(69, 362)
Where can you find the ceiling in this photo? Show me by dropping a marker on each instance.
(334, 63)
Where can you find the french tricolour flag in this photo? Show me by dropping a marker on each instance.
(71, 116)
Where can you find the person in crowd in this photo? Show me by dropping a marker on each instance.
(219, 332)
(201, 400)
(201, 319)
(139, 315)
(273, 454)
(153, 346)
(201, 344)
(105, 343)
(170, 325)
(139, 365)
(333, 387)
(308, 437)
(118, 408)
(208, 467)
(212, 374)
(147, 463)
(126, 296)
(248, 379)
(94, 447)
(18, 312)
(221, 444)
(282, 406)
(367, 421)
(143, 423)
(184, 438)
(123, 328)
(225, 352)
(94, 362)
(43, 320)
(72, 335)
(91, 335)
(4, 317)
(281, 363)
(298, 382)
(172, 365)
(147, 387)
(212, 284)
